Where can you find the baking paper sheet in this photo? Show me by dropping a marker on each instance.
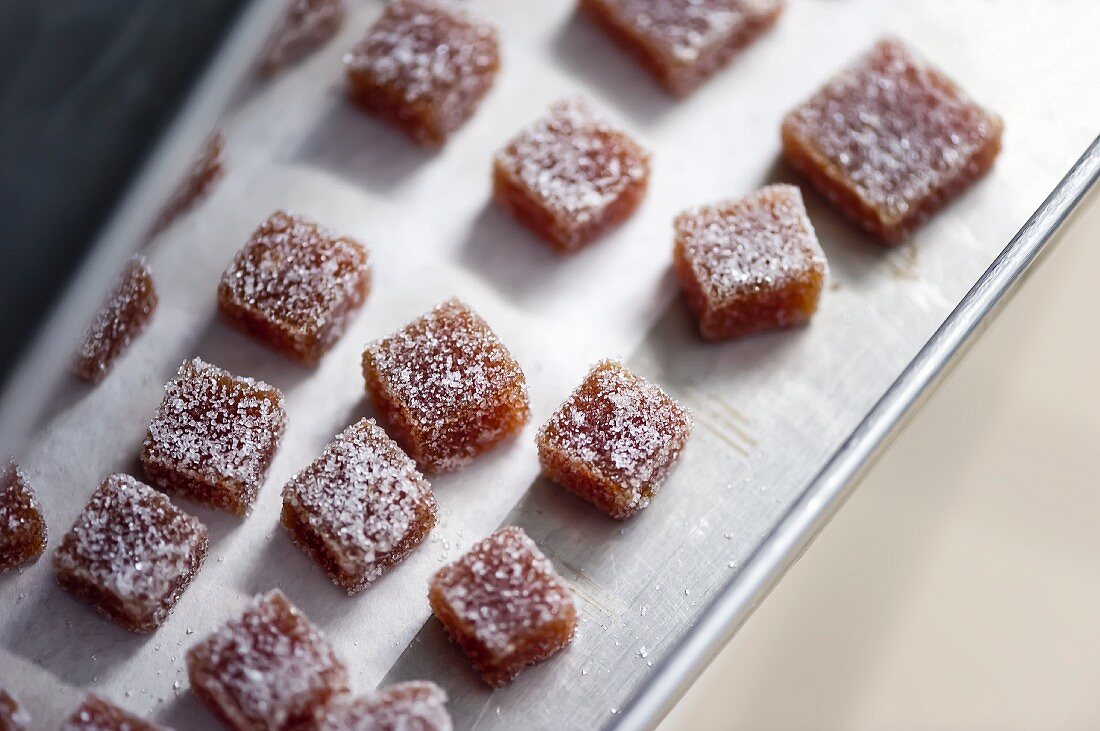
(771, 408)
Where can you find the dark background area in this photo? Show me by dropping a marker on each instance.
(86, 88)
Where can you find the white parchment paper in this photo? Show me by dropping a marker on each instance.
(295, 143)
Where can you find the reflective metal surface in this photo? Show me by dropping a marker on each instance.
(785, 421)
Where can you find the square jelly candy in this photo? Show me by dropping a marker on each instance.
(411, 706)
(22, 527)
(424, 67)
(361, 507)
(750, 264)
(97, 714)
(504, 605)
(295, 285)
(121, 318)
(131, 553)
(306, 26)
(267, 668)
(571, 176)
(197, 183)
(891, 140)
(683, 42)
(13, 716)
(214, 436)
(614, 440)
(447, 386)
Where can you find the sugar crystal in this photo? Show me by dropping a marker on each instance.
(504, 604)
(614, 440)
(361, 507)
(22, 526)
(571, 176)
(890, 140)
(131, 553)
(424, 67)
(267, 668)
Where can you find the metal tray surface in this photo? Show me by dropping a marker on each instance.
(785, 421)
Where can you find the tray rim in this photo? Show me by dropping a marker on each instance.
(834, 483)
(43, 362)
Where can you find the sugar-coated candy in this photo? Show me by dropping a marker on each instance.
(267, 669)
(614, 440)
(305, 27)
(571, 175)
(197, 183)
(213, 437)
(13, 716)
(22, 526)
(98, 714)
(750, 264)
(412, 706)
(683, 42)
(131, 553)
(447, 386)
(891, 140)
(295, 285)
(504, 605)
(361, 507)
(424, 67)
(119, 321)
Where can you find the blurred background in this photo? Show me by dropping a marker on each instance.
(958, 588)
(86, 89)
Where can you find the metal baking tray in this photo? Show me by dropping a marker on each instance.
(786, 422)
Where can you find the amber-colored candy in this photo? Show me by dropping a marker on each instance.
(214, 436)
(22, 527)
(196, 184)
(424, 67)
(361, 507)
(412, 706)
(750, 264)
(571, 176)
(13, 716)
(118, 322)
(891, 140)
(683, 42)
(306, 26)
(614, 440)
(447, 386)
(131, 553)
(268, 668)
(504, 604)
(295, 285)
(97, 714)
